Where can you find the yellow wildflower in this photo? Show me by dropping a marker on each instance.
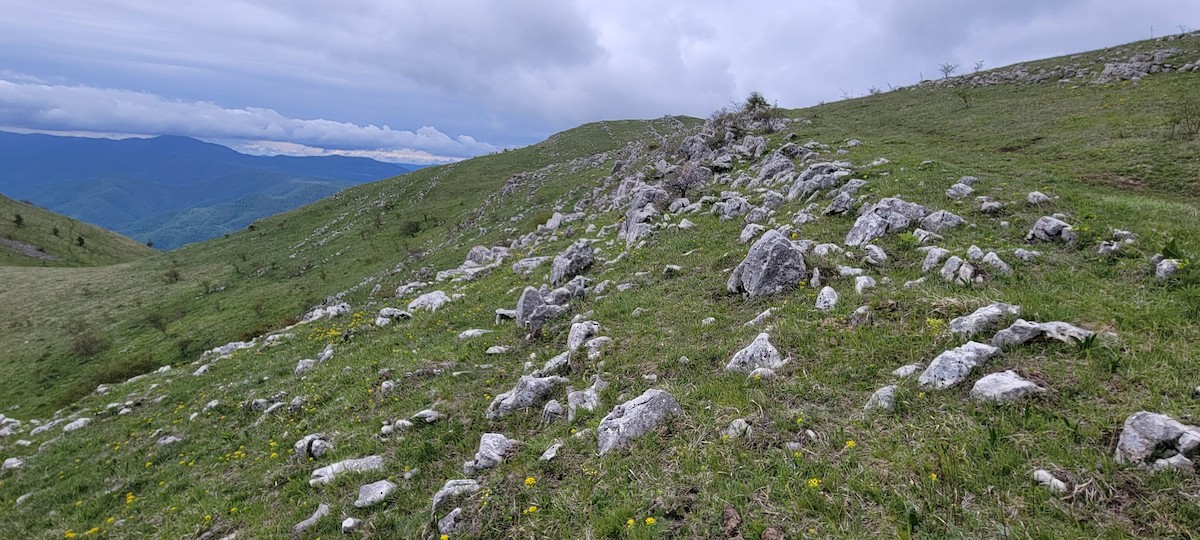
(933, 476)
(649, 521)
(851, 444)
(629, 522)
(530, 481)
(814, 483)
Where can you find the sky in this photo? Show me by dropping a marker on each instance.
(436, 81)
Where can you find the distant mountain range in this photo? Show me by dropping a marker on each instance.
(170, 190)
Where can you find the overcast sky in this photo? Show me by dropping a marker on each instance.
(430, 81)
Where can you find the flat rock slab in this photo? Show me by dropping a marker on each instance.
(452, 489)
(953, 366)
(635, 418)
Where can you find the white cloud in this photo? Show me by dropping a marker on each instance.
(35, 105)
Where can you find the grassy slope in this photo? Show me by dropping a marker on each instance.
(100, 247)
(941, 466)
(259, 279)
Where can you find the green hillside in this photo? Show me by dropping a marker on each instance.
(1108, 156)
(42, 238)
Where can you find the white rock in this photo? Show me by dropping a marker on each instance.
(76, 425)
(635, 418)
(473, 333)
(827, 299)
(907, 370)
(1053, 484)
(328, 473)
(493, 447)
(952, 366)
(12, 463)
(883, 399)
(322, 511)
(429, 301)
(349, 525)
(862, 283)
(1003, 387)
(374, 493)
(452, 489)
(551, 452)
(759, 353)
(983, 319)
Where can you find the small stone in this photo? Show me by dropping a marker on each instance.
(862, 283)
(1053, 484)
(883, 399)
(738, 428)
(449, 524)
(953, 366)
(1037, 197)
(827, 299)
(76, 425)
(328, 473)
(551, 452)
(983, 319)
(1166, 268)
(907, 370)
(350, 525)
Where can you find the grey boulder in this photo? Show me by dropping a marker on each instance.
(983, 319)
(635, 418)
(773, 264)
(527, 393)
(493, 447)
(953, 366)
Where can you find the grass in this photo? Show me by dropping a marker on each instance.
(54, 239)
(940, 466)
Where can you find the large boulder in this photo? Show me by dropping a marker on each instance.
(528, 392)
(533, 311)
(635, 418)
(571, 262)
(1157, 441)
(889, 215)
(773, 264)
(758, 354)
(953, 366)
